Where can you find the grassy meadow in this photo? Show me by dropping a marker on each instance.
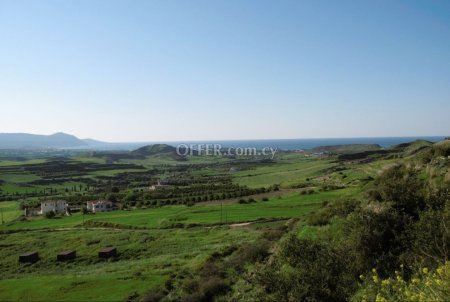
(292, 205)
(146, 259)
(219, 203)
(10, 211)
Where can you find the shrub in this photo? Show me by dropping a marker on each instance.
(213, 286)
(154, 295)
(424, 285)
(401, 186)
(431, 236)
(190, 286)
(211, 269)
(339, 209)
(307, 270)
(50, 214)
(273, 235)
(250, 253)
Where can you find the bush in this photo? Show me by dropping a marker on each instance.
(190, 286)
(211, 269)
(213, 286)
(273, 235)
(431, 236)
(205, 289)
(50, 214)
(307, 192)
(155, 295)
(338, 209)
(250, 253)
(424, 285)
(403, 188)
(112, 197)
(379, 236)
(307, 270)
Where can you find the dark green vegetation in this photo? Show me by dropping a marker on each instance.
(300, 227)
(344, 149)
(397, 231)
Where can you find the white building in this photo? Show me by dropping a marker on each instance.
(99, 206)
(58, 207)
(159, 185)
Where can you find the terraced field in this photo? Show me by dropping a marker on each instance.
(246, 199)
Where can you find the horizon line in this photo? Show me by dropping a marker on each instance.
(222, 140)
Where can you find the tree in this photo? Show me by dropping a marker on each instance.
(50, 214)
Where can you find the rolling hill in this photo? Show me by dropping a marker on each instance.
(36, 141)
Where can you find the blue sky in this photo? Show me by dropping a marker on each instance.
(192, 70)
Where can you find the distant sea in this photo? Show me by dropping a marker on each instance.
(308, 143)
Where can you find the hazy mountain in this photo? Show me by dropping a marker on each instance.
(59, 140)
(36, 141)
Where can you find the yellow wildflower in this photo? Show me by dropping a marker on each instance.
(380, 298)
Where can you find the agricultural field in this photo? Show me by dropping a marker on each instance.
(282, 207)
(10, 211)
(288, 171)
(215, 217)
(146, 259)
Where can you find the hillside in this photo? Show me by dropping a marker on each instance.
(154, 150)
(413, 147)
(350, 148)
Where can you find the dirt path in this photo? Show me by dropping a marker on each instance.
(239, 225)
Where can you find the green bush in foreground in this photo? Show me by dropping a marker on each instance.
(422, 286)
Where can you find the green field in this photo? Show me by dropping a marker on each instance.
(145, 260)
(293, 205)
(158, 234)
(10, 210)
(289, 170)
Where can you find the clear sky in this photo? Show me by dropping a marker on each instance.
(225, 69)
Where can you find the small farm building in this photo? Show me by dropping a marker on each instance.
(30, 257)
(66, 255)
(107, 252)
